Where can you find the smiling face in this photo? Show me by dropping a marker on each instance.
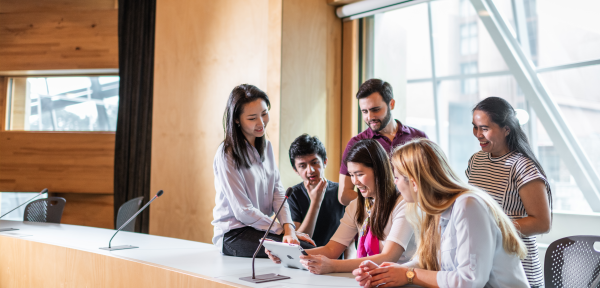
(310, 168)
(363, 178)
(253, 119)
(492, 137)
(375, 111)
(405, 186)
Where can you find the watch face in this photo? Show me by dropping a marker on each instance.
(410, 274)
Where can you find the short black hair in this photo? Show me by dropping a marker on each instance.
(376, 85)
(306, 145)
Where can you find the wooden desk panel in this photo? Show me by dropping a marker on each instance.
(32, 264)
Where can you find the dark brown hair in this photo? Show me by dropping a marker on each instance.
(376, 85)
(234, 144)
(371, 154)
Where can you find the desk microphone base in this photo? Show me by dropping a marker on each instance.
(7, 229)
(121, 247)
(265, 278)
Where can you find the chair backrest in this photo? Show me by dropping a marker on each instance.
(572, 262)
(126, 211)
(47, 210)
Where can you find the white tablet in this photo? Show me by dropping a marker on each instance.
(288, 253)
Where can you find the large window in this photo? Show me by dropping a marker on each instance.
(63, 103)
(438, 56)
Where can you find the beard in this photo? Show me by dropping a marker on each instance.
(382, 123)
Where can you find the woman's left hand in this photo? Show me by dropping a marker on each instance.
(289, 235)
(388, 275)
(317, 264)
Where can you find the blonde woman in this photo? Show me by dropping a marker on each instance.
(466, 240)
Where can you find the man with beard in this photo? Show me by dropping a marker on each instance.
(376, 102)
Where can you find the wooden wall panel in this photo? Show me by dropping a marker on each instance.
(349, 125)
(95, 210)
(3, 103)
(203, 49)
(311, 81)
(64, 39)
(12, 6)
(62, 162)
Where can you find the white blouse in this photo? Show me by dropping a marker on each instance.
(471, 249)
(247, 196)
(397, 230)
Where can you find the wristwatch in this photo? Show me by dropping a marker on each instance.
(410, 274)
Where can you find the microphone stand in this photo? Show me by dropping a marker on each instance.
(121, 247)
(13, 229)
(271, 276)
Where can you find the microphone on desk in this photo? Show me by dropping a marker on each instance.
(121, 247)
(12, 229)
(271, 276)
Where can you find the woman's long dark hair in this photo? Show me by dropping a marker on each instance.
(371, 154)
(234, 144)
(503, 114)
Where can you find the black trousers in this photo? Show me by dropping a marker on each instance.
(242, 242)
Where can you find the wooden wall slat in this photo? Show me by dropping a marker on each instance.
(95, 210)
(203, 49)
(311, 81)
(349, 125)
(59, 40)
(62, 162)
(3, 101)
(12, 6)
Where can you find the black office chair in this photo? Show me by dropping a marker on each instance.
(126, 211)
(47, 210)
(572, 262)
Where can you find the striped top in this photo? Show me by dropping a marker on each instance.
(502, 178)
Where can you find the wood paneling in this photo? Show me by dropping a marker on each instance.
(11, 6)
(349, 125)
(311, 81)
(3, 103)
(62, 162)
(203, 50)
(19, 104)
(94, 210)
(59, 39)
(274, 73)
(33, 264)
(52, 35)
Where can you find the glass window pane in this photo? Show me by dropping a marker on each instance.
(419, 107)
(63, 103)
(567, 33)
(577, 93)
(460, 37)
(402, 44)
(10, 200)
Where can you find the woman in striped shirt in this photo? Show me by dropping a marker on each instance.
(507, 169)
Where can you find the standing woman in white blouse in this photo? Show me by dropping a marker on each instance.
(507, 169)
(247, 182)
(377, 216)
(466, 240)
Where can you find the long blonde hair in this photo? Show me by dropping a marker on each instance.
(438, 187)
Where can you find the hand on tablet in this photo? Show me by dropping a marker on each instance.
(317, 264)
(273, 257)
(304, 237)
(363, 277)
